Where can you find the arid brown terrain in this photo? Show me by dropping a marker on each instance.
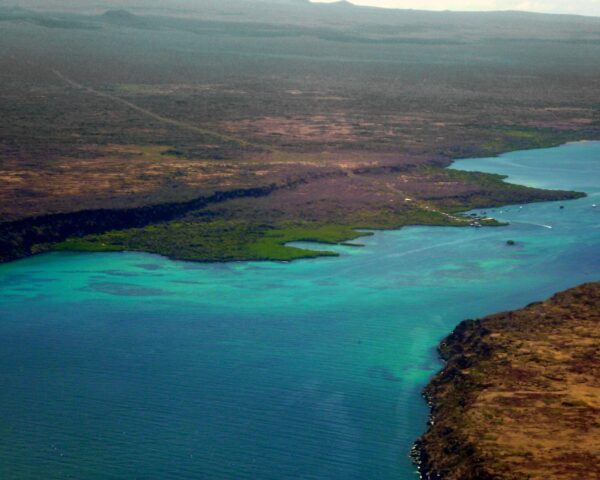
(272, 115)
(519, 397)
(213, 130)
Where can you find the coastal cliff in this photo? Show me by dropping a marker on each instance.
(519, 396)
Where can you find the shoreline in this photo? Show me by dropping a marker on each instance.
(447, 450)
(549, 209)
(506, 400)
(72, 231)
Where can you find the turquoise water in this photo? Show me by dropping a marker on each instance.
(124, 366)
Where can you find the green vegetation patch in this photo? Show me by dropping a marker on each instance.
(214, 238)
(492, 191)
(239, 240)
(220, 240)
(511, 138)
(391, 219)
(501, 139)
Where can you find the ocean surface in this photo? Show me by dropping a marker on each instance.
(133, 366)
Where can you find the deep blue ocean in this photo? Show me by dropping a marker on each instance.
(133, 366)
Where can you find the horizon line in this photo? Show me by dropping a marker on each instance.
(450, 10)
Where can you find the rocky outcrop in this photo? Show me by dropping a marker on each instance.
(519, 396)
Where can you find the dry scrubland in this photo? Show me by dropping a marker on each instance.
(217, 131)
(519, 397)
(238, 120)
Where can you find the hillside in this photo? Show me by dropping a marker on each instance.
(519, 397)
(241, 119)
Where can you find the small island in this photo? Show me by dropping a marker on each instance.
(519, 397)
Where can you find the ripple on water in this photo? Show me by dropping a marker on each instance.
(306, 370)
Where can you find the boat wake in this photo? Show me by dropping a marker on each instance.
(534, 224)
(438, 245)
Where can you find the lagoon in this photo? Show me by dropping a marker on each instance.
(129, 365)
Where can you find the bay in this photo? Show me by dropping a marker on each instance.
(130, 365)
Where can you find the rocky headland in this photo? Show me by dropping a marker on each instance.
(519, 396)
